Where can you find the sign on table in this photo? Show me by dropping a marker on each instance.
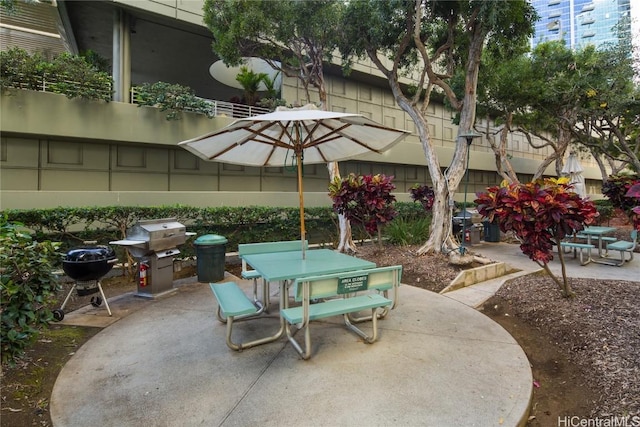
(351, 284)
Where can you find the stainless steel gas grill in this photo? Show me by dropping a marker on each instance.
(154, 244)
(87, 265)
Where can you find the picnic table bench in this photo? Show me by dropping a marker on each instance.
(608, 239)
(234, 304)
(340, 294)
(582, 247)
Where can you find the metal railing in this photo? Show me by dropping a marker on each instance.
(220, 108)
(53, 84)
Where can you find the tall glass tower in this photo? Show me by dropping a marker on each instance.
(582, 22)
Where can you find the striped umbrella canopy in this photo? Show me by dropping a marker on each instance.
(309, 135)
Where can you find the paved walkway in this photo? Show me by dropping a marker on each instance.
(475, 296)
(164, 362)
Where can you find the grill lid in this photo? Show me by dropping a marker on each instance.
(471, 215)
(155, 229)
(88, 263)
(90, 254)
(158, 233)
(153, 235)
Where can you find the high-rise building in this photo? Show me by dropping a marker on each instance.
(583, 22)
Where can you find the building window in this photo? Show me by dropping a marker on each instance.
(588, 7)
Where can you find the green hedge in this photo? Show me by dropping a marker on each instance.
(605, 210)
(73, 226)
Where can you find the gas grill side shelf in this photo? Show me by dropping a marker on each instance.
(128, 242)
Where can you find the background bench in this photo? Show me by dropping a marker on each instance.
(340, 294)
(600, 239)
(582, 246)
(624, 246)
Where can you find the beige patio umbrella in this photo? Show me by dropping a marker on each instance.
(574, 169)
(311, 136)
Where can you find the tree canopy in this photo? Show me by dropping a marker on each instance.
(427, 43)
(295, 37)
(565, 96)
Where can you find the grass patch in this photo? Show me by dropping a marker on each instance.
(404, 232)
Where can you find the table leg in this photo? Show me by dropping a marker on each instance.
(599, 253)
(589, 257)
(284, 303)
(600, 246)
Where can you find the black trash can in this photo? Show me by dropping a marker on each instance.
(491, 231)
(210, 254)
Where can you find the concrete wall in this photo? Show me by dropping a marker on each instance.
(39, 113)
(60, 152)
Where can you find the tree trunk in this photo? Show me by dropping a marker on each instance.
(445, 184)
(440, 235)
(346, 243)
(503, 164)
(564, 138)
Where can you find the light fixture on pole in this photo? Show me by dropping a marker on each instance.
(469, 137)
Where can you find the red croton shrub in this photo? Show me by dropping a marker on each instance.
(634, 194)
(624, 193)
(423, 194)
(541, 214)
(365, 200)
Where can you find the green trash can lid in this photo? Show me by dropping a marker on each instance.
(210, 239)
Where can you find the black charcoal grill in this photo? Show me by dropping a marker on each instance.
(154, 244)
(86, 266)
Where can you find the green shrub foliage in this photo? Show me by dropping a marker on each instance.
(67, 74)
(72, 226)
(172, 98)
(27, 283)
(403, 231)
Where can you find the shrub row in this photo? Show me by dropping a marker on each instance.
(73, 226)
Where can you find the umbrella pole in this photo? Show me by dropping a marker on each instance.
(303, 232)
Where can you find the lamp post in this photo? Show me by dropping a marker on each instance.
(469, 137)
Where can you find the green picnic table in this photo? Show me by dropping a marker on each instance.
(281, 267)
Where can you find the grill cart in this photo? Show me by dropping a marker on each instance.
(153, 243)
(86, 266)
